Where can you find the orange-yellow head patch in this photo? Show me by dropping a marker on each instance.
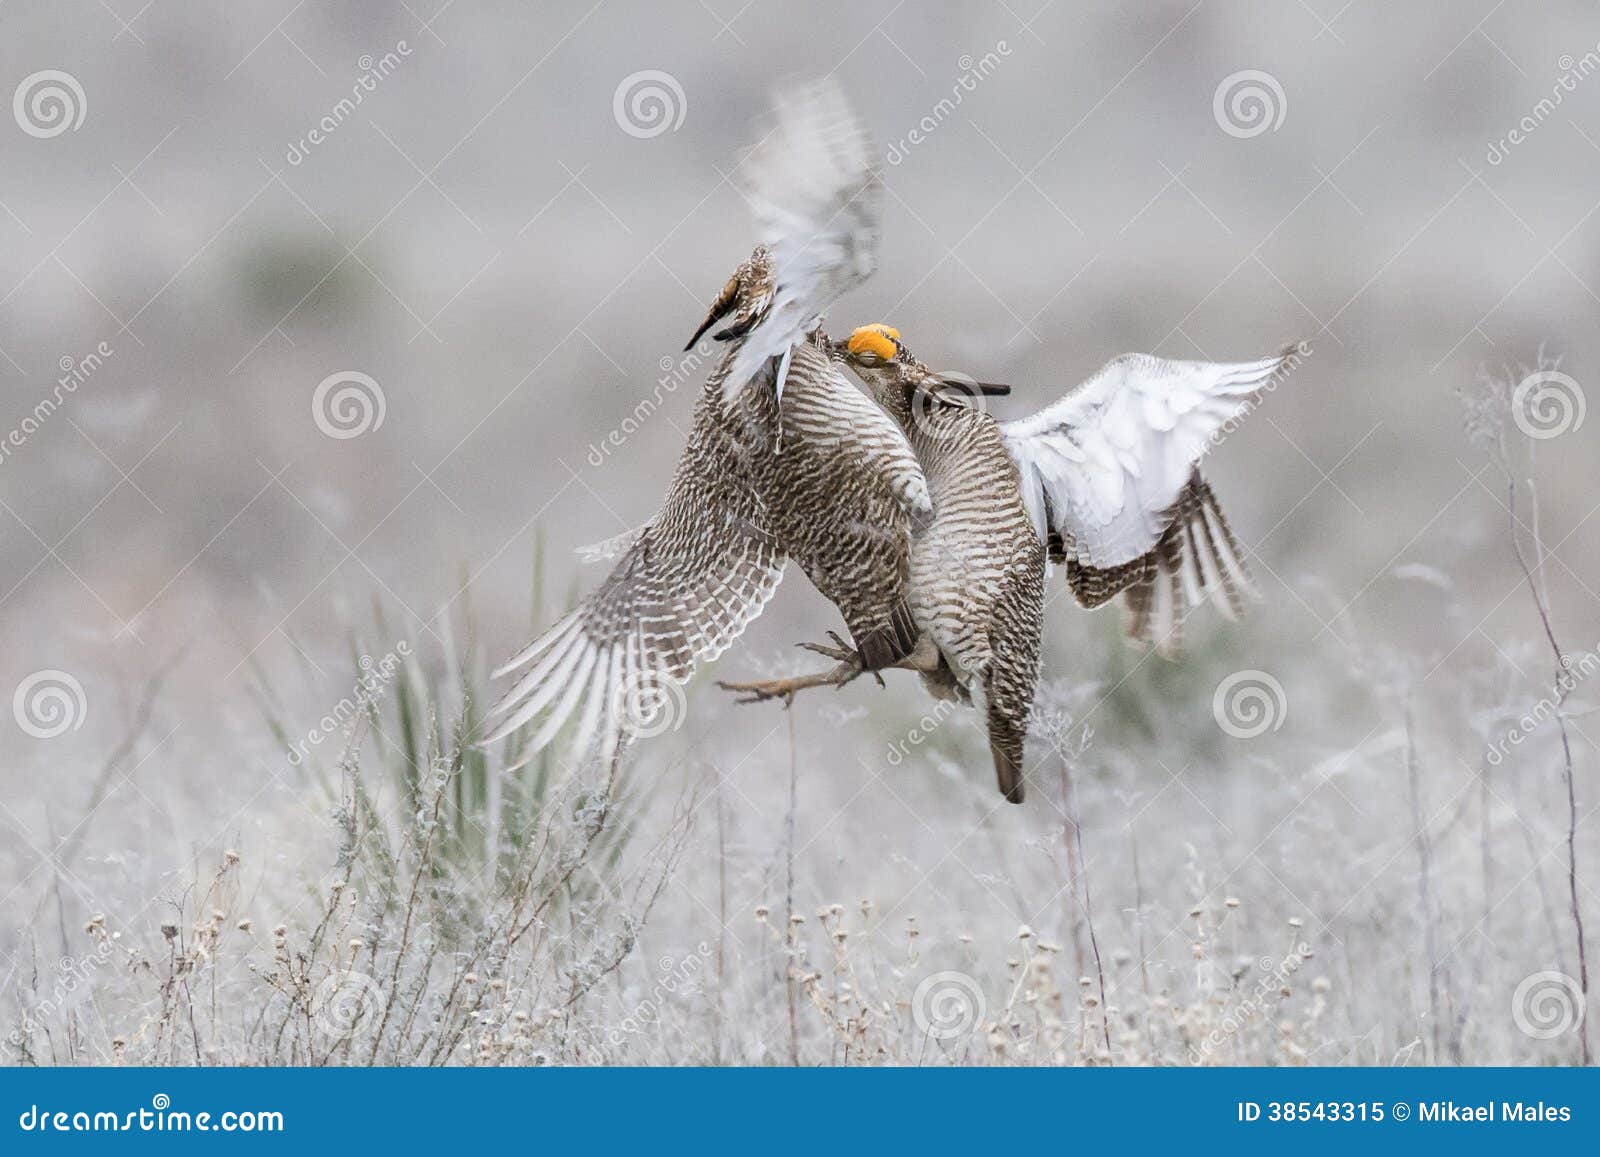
(876, 339)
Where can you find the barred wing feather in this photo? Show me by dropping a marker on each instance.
(1108, 477)
(684, 589)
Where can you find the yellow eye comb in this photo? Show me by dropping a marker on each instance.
(877, 339)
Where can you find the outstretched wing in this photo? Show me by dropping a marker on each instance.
(817, 203)
(1108, 477)
(684, 589)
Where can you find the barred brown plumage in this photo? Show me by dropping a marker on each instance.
(786, 459)
(1091, 481)
(838, 499)
(977, 567)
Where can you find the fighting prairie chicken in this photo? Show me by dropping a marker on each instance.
(1104, 481)
(786, 459)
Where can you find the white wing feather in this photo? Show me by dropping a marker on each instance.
(817, 203)
(1104, 465)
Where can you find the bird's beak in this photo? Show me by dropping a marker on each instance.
(970, 389)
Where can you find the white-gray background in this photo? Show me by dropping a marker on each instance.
(485, 239)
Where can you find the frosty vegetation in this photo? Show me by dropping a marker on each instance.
(1320, 893)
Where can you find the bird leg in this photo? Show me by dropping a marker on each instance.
(847, 667)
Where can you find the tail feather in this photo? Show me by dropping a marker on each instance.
(1006, 742)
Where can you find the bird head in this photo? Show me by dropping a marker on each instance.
(883, 361)
(745, 300)
(875, 345)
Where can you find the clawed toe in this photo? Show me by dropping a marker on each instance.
(761, 692)
(840, 652)
(848, 666)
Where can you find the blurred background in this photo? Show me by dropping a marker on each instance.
(343, 374)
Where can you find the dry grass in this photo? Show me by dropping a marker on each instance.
(1330, 892)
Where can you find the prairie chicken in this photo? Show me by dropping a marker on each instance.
(1103, 481)
(786, 459)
